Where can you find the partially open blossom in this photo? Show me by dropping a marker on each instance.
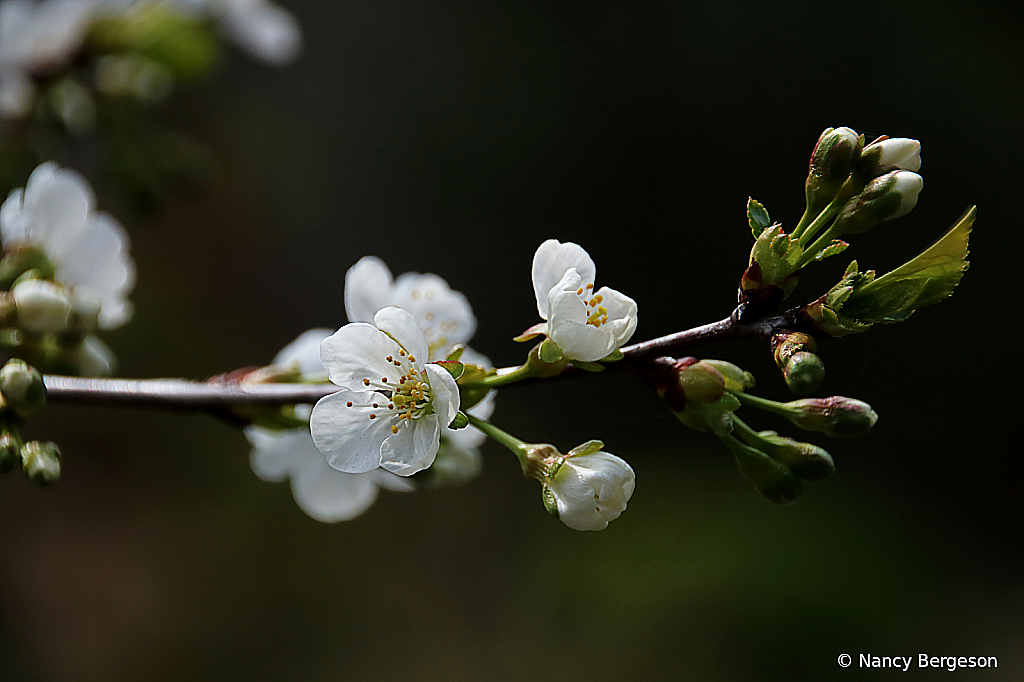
(88, 249)
(392, 404)
(42, 306)
(321, 491)
(589, 488)
(585, 324)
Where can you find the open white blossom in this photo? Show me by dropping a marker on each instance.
(586, 324)
(36, 39)
(447, 320)
(391, 405)
(444, 315)
(88, 249)
(590, 489)
(321, 491)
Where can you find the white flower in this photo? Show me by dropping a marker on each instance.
(89, 250)
(444, 315)
(322, 492)
(590, 488)
(36, 39)
(585, 324)
(391, 405)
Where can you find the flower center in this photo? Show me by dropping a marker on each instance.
(597, 314)
(406, 398)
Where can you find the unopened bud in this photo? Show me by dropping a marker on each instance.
(735, 378)
(831, 163)
(701, 382)
(41, 462)
(806, 460)
(887, 197)
(22, 387)
(888, 154)
(835, 416)
(42, 306)
(19, 260)
(804, 372)
(772, 479)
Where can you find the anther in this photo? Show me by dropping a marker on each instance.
(579, 292)
(348, 404)
(394, 429)
(376, 405)
(373, 416)
(366, 382)
(412, 359)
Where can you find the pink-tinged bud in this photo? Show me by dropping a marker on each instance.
(835, 416)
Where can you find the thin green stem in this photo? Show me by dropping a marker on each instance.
(504, 377)
(805, 235)
(518, 447)
(746, 433)
(763, 403)
(805, 220)
(820, 243)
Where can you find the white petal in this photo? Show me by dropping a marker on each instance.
(367, 289)
(349, 439)
(563, 301)
(329, 495)
(445, 316)
(58, 201)
(404, 329)
(413, 448)
(568, 328)
(267, 31)
(272, 453)
(356, 352)
(389, 481)
(454, 464)
(621, 314)
(445, 393)
(550, 263)
(13, 219)
(93, 358)
(304, 353)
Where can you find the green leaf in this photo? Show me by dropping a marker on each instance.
(777, 254)
(925, 280)
(757, 217)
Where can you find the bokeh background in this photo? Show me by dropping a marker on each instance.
(453, 137)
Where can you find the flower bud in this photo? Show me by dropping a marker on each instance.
(835, 416)
(701, 382)
(803, 372)
(887, 197)
(805, 460)
(21, 258)
(22, 387)
(10, 451)
(887, 154)
(586, 488)
(41, 462)
(735, 378)
(772, 479)
(830, 165)
(42, 306)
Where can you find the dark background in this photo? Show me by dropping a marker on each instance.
(454, 137)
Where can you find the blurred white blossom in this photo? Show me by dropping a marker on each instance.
(321, 491)
(88, 249)
(264, 29)
(37, 39)
(391, 405)
(585, 324)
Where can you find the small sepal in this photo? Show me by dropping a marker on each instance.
(454, 368)
(539, 329)
(461, 421)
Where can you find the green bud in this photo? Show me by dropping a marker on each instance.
(887, 197)
(735, 378)
(41, 462)
(806, 460)
(10, 451)
(20, 260)
(772, 479)
(803, 372)
(701, 382)
(830, 165)
(22, 387)
(835, 416)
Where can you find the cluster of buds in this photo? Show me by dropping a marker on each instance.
(22, 393)
(705, 394)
